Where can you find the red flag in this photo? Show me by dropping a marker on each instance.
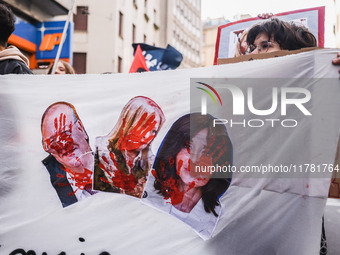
(139, 64)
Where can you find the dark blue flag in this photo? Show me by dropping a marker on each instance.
(159, 58)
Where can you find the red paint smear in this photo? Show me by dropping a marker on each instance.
(135, 138)
(170, 188)
(171, 161)
(60, 184)
(118, 178)
(179, 166)
(60, 176)
(63, 142)
(105, 159)
(153, 172)
(112, 156)
(119, 144)
(188, 147)
(80, 179)
(72, 193)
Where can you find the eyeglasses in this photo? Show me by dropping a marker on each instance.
(262, 46)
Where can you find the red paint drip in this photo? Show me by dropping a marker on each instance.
(105, 159)
(153, 172)
(124, 181)
(179, 166)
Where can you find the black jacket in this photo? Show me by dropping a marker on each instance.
(13, 66)
(59, 181)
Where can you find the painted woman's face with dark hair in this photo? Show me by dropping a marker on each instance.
(195, 149)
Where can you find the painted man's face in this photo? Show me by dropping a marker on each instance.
(64, 137)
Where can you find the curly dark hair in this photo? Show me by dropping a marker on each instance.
(7, 21)
(289, 35)
(178, 138)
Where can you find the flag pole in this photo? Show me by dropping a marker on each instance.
(63, 37)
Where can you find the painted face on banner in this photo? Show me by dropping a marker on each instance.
(64, 137)
(190, 156)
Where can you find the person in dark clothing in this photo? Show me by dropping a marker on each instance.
(12, 61)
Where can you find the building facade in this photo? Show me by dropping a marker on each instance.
(183, 29)
(105, 30)
(210, 28)
(34, 20)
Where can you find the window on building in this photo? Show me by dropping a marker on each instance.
(133, 33)
(80, 19)
(120, 65)
(79, 62)
(121, 17)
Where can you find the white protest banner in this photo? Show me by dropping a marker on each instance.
(256, 214)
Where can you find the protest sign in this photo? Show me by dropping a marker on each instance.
(291, 120)
(229, 34)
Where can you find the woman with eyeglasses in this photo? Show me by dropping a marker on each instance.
(275, 34)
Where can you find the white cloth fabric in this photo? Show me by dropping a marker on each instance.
(259, 216)
(202, 222)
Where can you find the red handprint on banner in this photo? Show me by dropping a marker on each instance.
(138, 135)
(114, 175)
(80, 180)
(214, 150)
(62, 141)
